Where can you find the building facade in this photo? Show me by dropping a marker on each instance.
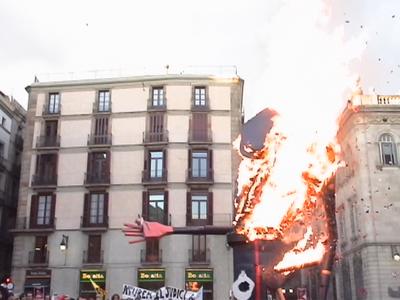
(99, 152)
(12, 121)
(367, 199)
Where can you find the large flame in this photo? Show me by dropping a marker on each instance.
(306, 78)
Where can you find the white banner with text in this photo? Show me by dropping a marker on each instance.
(130, 292)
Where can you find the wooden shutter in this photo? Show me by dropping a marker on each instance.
(145, 205)
(53, 209)
(188, 208)
(190, 152)
(200, 126)
(210, 171)
(166, 215)
(34, 209)
(210, 209)
(101, 126)
(86, 210)
(108, 166)
(105, 212)
(94, 248)
(164, 171)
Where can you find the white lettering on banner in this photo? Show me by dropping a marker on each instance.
(130, 292)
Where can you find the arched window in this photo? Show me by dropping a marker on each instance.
(388, 150)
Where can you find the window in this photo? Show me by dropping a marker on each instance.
(101, 131)
(156, 128)
(158, 97)
(153, 250)
(156, 164)
(388, 150)
(50, 134)
(95, 209)
(104, 101)
(40, 252)
(199, 248)
(200, 96)
(199, 208)
(42, 210)
(98, 167)
(199, 128)
(94, 249)
(3, 121)
(155, 206)
(46, 169)
(199, 163)
(54, 103)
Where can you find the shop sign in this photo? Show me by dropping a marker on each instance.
(199, 275)
(95, 275)
(151, 275)
(39, 273)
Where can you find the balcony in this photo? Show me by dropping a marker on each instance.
(155, 137)
(202, 137)
(150, 258)
(86, 225)
(97, 179)
(199, 257)
(23, 225)
(205, 107)
(198, 178)
(40, 180)
(51, 111)
(3, 163)
(104, 140)
(19, 143)
(148, 177)
(103, 110)
(152, 107)
(38, 258)
(92, 258)
(48, 141)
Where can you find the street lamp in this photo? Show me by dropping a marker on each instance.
(395, 253)
(64, 243)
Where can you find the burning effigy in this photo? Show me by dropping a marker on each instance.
(281, 208)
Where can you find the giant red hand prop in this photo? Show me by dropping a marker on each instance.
(143, 230)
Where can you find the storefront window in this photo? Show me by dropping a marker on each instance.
(197, 278)
(37, 283)
(151, 279)
(92, 284)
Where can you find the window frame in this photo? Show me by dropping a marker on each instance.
(53, 103)
(190, 221)
(156, 100)
(146, 206)
(87, 220)
(200, 100)
(49, 214)
(387, 139)
(103, 102)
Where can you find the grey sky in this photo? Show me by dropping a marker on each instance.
(50, 36)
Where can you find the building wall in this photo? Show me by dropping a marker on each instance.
(367, 201)
(128, 119)
(12, 118)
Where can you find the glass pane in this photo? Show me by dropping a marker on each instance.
(203, 210)
(203, 168)
(388, 153)
(195, 210)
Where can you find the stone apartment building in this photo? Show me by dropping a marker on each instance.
(12, 119)
(99, 152)
(367, 197)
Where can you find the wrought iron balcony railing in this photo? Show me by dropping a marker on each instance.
(44, 180)
(106, 109)
(200, 176)
(51, 110)
(38, 258)
(154, 177)
(150, 258)
(95, 178)
(199, 256)
(99, 140)
(200, 137)
(96, 258)
(43, 141)
(155, 137)
(89, 223)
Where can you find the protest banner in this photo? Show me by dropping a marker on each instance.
(130, 292)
